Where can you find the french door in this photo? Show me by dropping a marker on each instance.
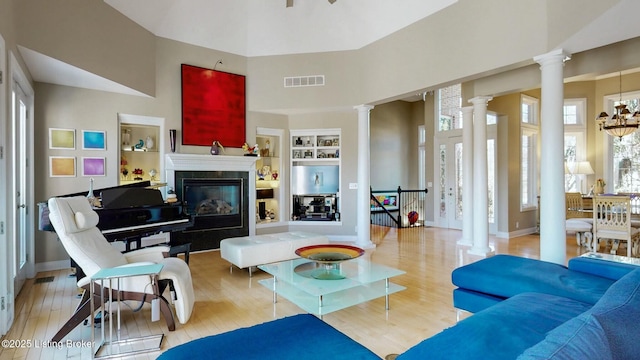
(449, 199)
(21, 194)
(21, 188)
(6, 270)
(450, 177)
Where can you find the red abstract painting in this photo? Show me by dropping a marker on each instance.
(213, 107)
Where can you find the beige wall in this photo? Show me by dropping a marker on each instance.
(393, 154)
(90, 35)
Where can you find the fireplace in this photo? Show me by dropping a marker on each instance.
(217, 192)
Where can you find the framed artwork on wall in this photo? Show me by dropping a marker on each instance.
(94, 140)
(93, 166)
(62, 139)
(213, 107)
(62, 166)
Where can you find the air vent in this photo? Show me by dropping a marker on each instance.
(299, 81)
(42, 280)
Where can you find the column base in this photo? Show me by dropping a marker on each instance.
(365, 244)
(483, 252)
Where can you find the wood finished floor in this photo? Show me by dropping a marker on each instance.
(229, 300)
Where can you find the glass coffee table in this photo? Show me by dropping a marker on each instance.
(363, 281)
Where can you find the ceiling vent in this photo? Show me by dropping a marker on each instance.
(300, 81)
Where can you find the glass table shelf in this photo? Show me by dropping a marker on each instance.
(363, 281)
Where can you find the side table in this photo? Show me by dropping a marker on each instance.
(120, 347)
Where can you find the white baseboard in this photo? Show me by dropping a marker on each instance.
(52, 265)
(519, 232)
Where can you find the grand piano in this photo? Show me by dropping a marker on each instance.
(131, 212)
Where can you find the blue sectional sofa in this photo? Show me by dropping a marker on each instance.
(524, 309)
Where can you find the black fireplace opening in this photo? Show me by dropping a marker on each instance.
(213, 203)
(218, 203)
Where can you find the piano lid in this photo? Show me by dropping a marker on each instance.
(118, 198)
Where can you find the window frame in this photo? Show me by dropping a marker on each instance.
(531, 130)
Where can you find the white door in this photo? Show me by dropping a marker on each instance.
(21, 195)
(450, 197)
(449, 187)
(22, 189)
(6, 270)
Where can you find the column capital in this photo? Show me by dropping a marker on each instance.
(553, 56)
(363, 107)
(480, 100)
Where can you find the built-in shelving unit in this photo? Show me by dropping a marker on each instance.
(140, 145)
(269, 172)
(315, 174)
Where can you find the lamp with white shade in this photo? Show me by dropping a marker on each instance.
(580, 168)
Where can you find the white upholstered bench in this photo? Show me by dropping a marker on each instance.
(250, 251)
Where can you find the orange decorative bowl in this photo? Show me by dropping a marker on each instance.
(329, 253)
(328, 258)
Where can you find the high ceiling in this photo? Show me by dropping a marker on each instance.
(269, 27)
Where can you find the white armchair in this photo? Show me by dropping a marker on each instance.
(75, 223)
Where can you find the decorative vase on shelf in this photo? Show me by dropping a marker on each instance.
(149, 143)
(172, 139)
(216, 147)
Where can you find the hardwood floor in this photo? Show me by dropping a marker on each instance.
(229, 300)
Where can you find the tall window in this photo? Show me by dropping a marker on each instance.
(450, 108)
(625, 153)
(575, 134)
(528, 152)
(422, 153)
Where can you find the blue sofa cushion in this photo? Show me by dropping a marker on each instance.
(301, 336)
(506, 276)
(579, 338)
(618, 312)
(502, 331)
(595, 265)
(609, 330)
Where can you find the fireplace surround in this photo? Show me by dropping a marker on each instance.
(218, 191)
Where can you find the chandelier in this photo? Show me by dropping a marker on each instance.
(622, 123)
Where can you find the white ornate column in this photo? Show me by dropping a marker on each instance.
(480, 178)
(364, 181)
(552, 209)
(467, 176)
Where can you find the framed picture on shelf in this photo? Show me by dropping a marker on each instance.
(62, 166)
(62, 139)
(94, 140)
(93, 166)
(297, 154)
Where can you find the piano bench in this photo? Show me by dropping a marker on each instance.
(174, 250)
(250, 251)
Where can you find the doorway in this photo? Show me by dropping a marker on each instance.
(450, 177)
(22, 173)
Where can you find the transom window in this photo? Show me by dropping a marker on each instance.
(450, 108)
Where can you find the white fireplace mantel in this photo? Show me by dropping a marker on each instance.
(197, 162)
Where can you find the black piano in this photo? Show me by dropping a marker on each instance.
(130, 212)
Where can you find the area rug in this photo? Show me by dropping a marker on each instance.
(301, 336)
